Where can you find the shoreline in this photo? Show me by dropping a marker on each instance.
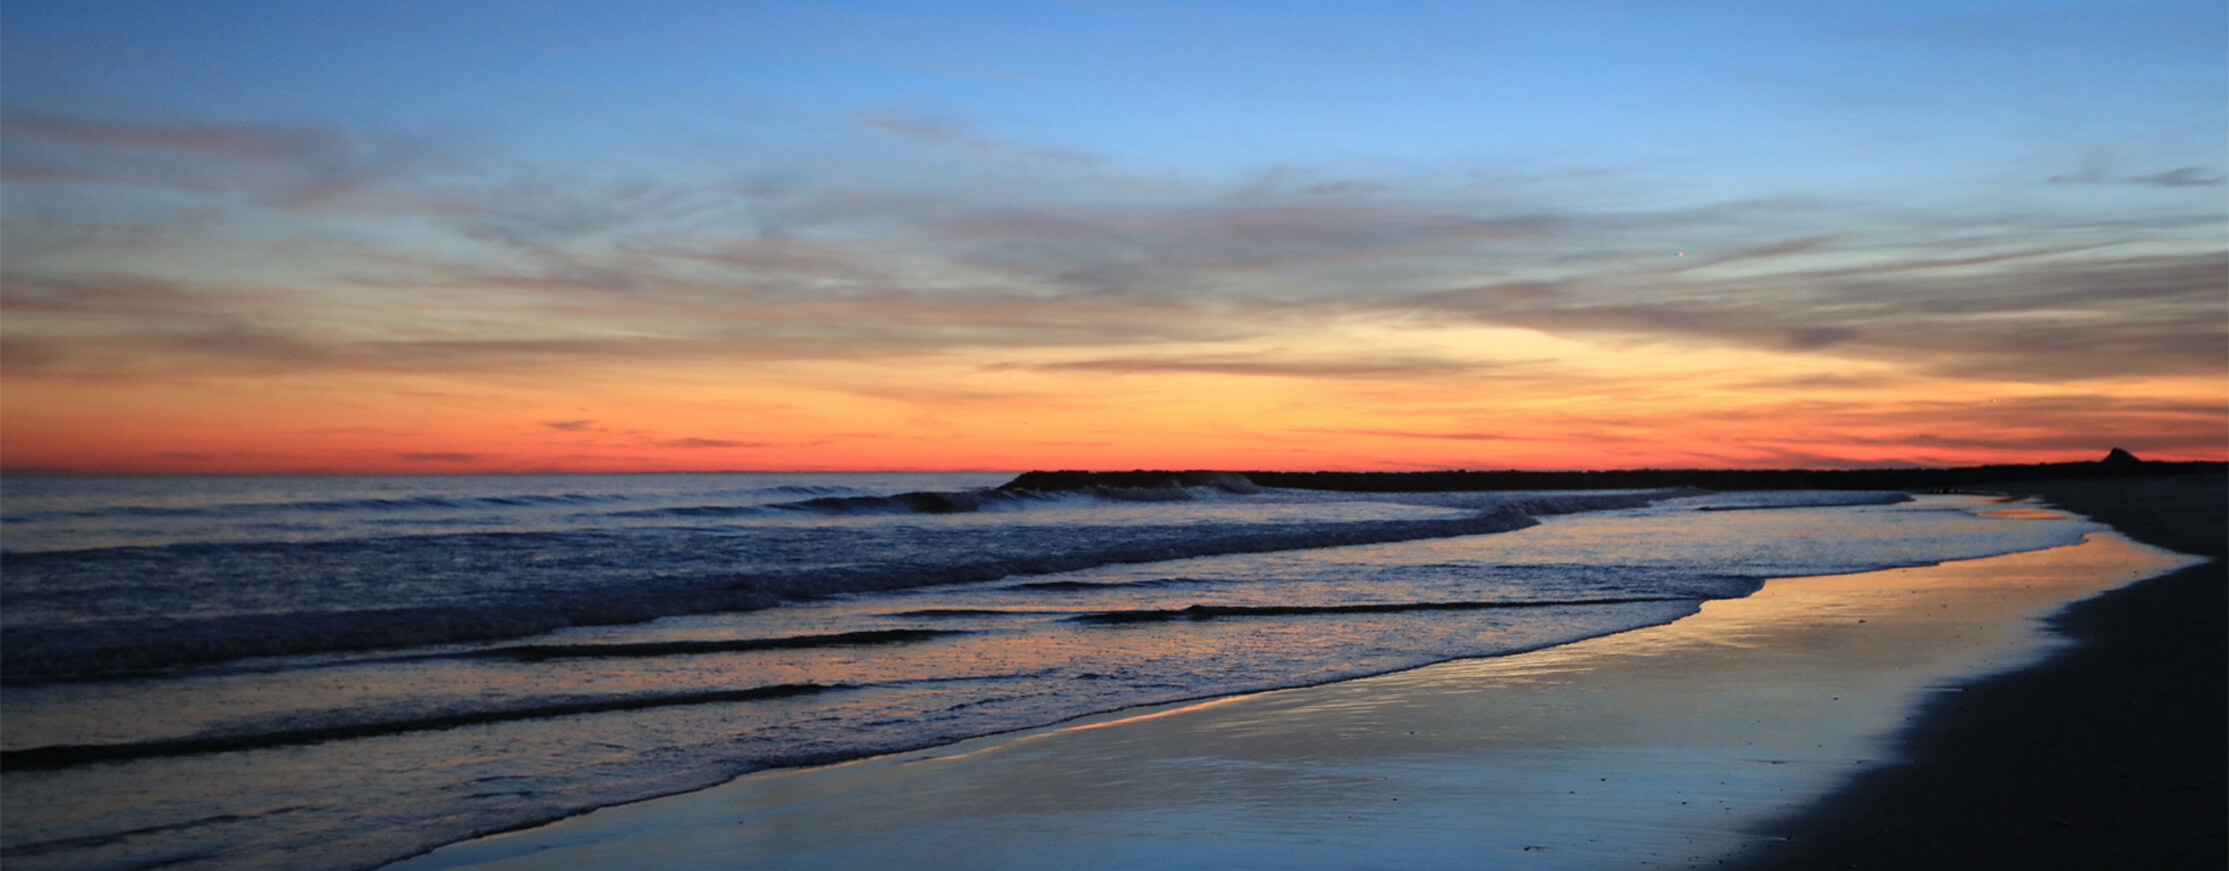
(982, 794)
(2108, 754)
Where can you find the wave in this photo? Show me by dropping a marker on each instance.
(1767, 501)
(410, 504)
(847, 502)
(1165, 488)
(71, 755)
(878, 578)
(956, 613)
(925, 502)
(417, 504)
(126, 646)
(37, 848)
(1101, 586)
(1075, 481)
(806, 490)
(543, 652)
(917, 502)
(1212, 612)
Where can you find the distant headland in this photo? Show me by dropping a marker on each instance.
(2117, 463)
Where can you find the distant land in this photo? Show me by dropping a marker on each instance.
(2117, 463)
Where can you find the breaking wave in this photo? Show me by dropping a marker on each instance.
(127, 645)
(68, 755)
(1213, 612)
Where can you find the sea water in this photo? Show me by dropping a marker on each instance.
(240, 672)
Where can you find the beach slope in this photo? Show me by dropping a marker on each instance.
(2107, 755)
(1686, 744)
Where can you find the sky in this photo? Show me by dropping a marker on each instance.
(569, 236)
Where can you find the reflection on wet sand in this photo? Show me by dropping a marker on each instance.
(1661, 745)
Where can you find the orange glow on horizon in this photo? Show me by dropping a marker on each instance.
(1518, 400)
(940, 259)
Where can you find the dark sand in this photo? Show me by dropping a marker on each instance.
(2109, 755)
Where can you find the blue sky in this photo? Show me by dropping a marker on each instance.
(396, 187)
(1187, 87)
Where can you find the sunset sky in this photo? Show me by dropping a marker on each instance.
(524, 236)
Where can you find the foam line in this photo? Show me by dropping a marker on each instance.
(72, 755)
(1211, 612)
(540, 652)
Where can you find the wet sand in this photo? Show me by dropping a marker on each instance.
(1679, 745)
(2113, 754)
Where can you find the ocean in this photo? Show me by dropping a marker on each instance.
(337, 672)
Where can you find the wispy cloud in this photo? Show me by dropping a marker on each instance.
(1403, 368)
(1426, 435)
(297, 166)
(949, 135)
(1765, 252)
(1209, 248)
(929, 131)
(2097, 170)
(246, 143)
(118, 294)
(2034, 313)
(848, 284)
(2181, 177)
(709, 443)
(2045, 321)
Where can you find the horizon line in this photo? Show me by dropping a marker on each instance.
(50, 472)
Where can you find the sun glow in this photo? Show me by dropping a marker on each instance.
(1261, 251)
(1362, 393)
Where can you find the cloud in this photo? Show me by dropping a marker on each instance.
(1951, 432)
(789, 258)
(123, 325)
(929, 131)
(2182, 177)
(21, 355)
(2028, 314)
(573, 425)
(292, 166)
(1399, 368)
(2097, 169)
(569, 221)
(936, 397)
(1432, 436)
(1825, 382)
(1814, 338)
(2042, 321)
(710, 443)
(545, 274)
(949, 135)
(1762, 252)
(276, 144)
(439, 457)
(221, 347)
(128, 295)
(1162, 251)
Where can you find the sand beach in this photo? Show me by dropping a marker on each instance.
(2109, 754)
(1957, 715)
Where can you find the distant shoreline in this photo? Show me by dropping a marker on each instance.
(2118, 465)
